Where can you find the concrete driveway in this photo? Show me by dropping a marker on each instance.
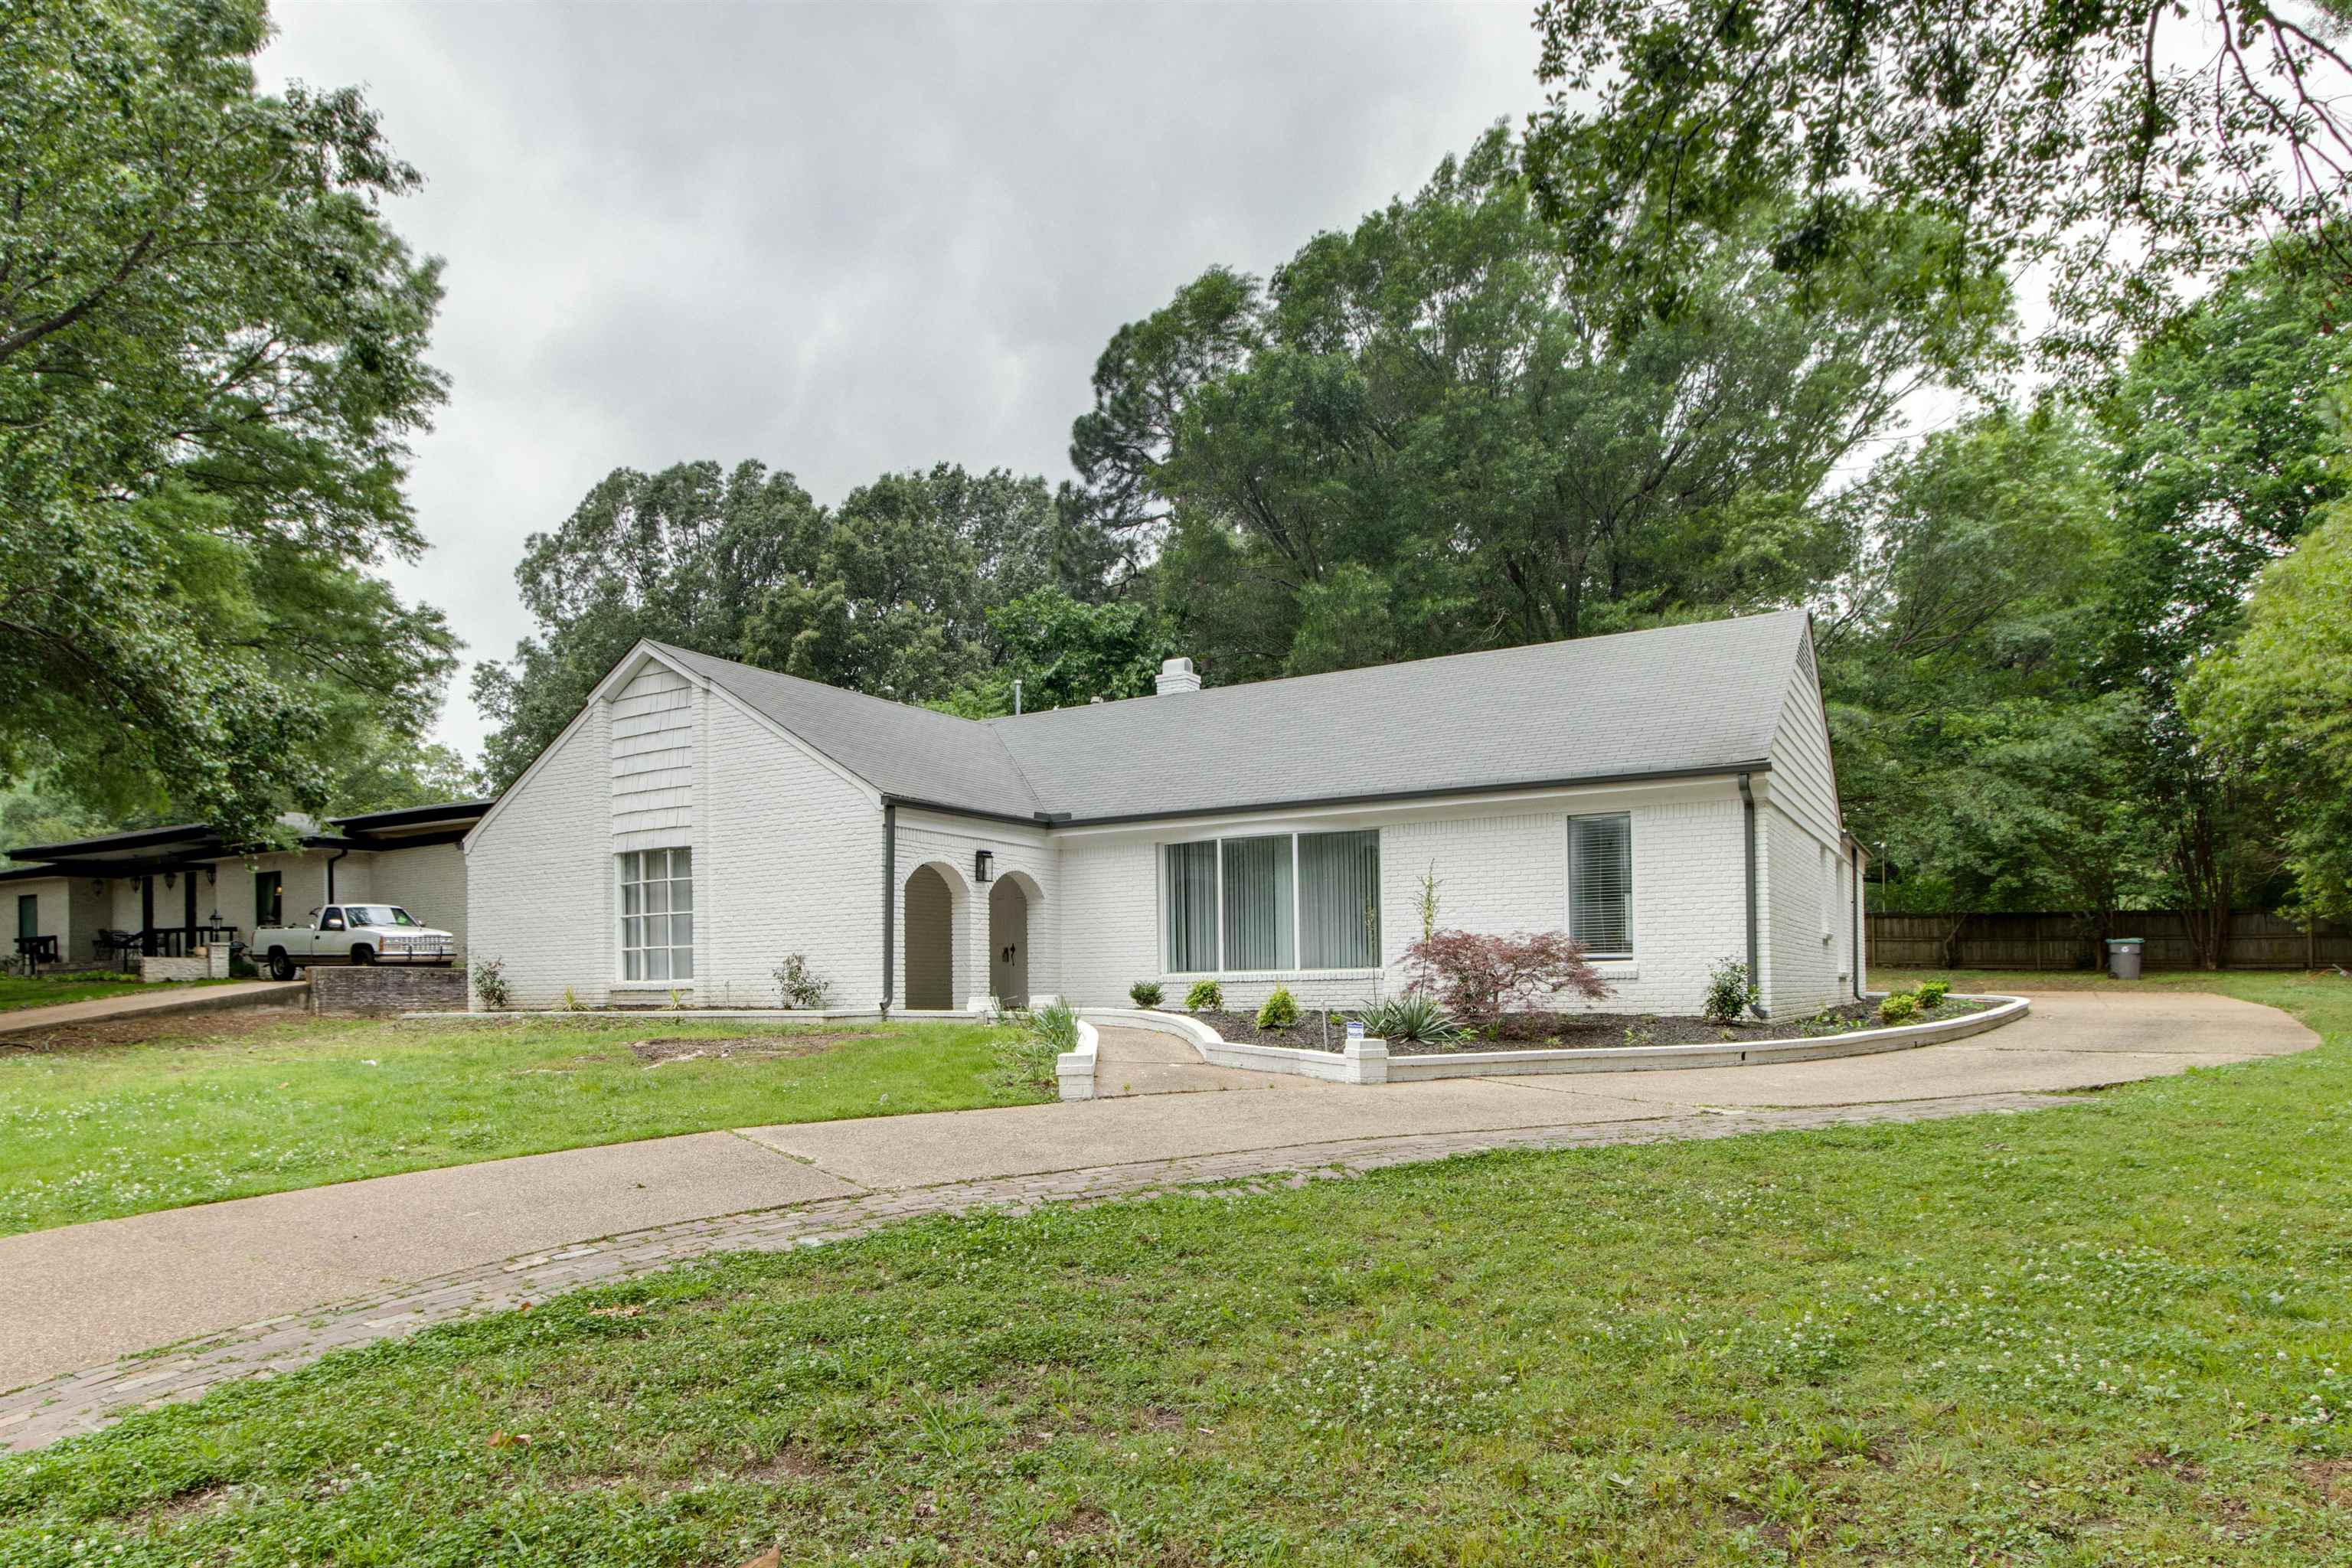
(73, 1299)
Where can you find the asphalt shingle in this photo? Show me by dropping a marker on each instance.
(1673, 699)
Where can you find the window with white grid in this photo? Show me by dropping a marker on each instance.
(657, 915)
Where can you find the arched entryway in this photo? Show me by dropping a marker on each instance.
(928, 906)
(1010, 899)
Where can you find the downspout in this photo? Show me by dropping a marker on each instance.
(1854, 911)
(1755, 961)
(889, 903)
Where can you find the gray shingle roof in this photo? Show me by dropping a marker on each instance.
(901, 750)
(1673, 699)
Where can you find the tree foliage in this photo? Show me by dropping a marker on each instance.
(2133, 152)
(891, 593)
(2278, 703)
(211, 358)
(1436, 432)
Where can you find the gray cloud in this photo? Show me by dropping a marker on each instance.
(846, 238)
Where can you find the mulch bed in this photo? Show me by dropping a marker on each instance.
(1583, 1031)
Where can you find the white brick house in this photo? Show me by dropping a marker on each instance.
(1668, 797)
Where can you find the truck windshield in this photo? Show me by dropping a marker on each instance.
(377, 915)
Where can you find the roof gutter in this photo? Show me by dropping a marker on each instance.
(1747, 825)
(1583, 781)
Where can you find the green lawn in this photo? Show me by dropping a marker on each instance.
(2118, 1332)
(48, 991)
(92, 1133)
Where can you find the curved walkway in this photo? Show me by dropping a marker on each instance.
(398, 1253)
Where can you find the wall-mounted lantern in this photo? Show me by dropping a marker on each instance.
(171, 878)
(212, 875)
(984, 865)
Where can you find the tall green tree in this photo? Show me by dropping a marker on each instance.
(2133, 153)
(1979, 755)
(1439, 432)
(211, 359)
(1064, 652)
(2222, 452)
(2278, 703)
(889, 593)
(685, 555)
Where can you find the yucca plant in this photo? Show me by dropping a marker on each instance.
(1415, 1016)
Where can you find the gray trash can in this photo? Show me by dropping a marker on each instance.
(2123, 956)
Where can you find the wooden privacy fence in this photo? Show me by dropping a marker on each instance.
(2064, 942)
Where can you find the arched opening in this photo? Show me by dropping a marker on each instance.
(930, 917)
(1008, 940)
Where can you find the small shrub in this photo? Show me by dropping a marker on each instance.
(1206, 996)
(1729, 992)
(1900, 1008)
(797, 986)
(1480, 978)
(1932, 992)
(571, 1003)
(1414, 1017)
(1280, 1010)
(490, 983)
(1144, 994)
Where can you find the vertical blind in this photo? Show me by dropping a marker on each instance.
(1286, 901)
(1340, 900)
(1601, 884)
(1191, 886)
(1258, 910)
(657, 915)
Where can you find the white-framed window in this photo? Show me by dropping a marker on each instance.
(657, 915)
(1272, 901)
(1601, 884)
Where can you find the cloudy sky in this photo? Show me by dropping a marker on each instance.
(846, 238)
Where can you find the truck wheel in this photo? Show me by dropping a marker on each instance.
(281, 966)
(363, 954)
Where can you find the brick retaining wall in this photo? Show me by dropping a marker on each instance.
(387, 988)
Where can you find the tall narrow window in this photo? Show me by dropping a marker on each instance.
(657, 915)
(1601, 884)
(1191, 889)
(1258, 908)
(1340, 900)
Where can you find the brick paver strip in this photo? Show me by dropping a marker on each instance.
(85, 1401)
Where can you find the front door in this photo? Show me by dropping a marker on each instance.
(268, 898)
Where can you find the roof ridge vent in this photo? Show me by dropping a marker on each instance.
(1176, 675)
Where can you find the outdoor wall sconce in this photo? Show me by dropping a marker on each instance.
(212, 875)
(984, 865)
(98, 884)
(171, 878)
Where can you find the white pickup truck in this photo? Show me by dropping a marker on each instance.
(352, 933)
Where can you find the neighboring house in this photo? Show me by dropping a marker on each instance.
(175, 886)
(1668, 797)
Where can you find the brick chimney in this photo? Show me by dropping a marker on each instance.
(1176, 675)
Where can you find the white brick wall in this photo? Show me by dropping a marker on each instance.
(539, 874)
(787, 858)
(1804, 969)
(1500, 872)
